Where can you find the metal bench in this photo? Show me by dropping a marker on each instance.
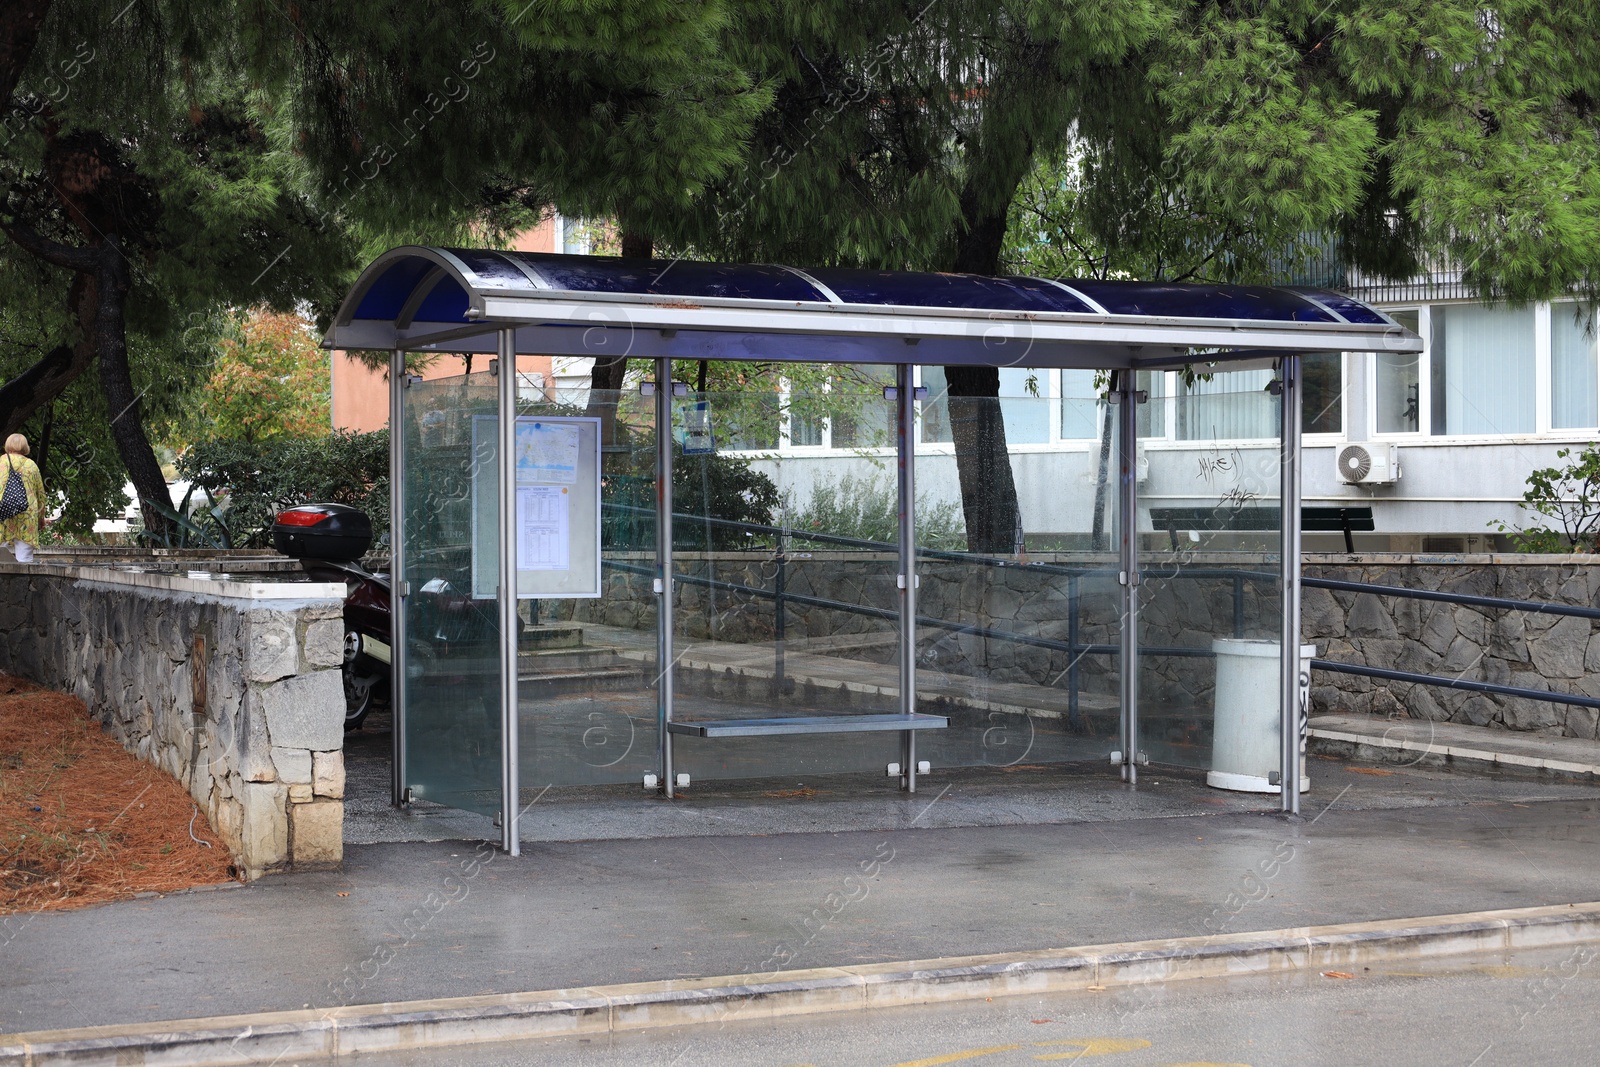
(1346, 520)
(1338, 520)
(810, 724)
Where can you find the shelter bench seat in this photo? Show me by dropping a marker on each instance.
(808, 724)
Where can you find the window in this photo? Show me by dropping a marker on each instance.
(1322, 399)
(1080, 406)
(865, 420)
(1399, 384)
(1153, 413)
(1483, 365)
(1574, 388)
(1026, 416)
(1229, 406)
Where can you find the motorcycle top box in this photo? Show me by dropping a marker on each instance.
(322, 531)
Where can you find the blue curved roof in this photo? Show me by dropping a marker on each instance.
(456, 299)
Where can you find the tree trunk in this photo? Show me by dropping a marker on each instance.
(983, 462)
(609, 372)
(1102, 482)
(122, 403)
(988, 492)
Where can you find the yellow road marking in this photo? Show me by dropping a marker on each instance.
(955, 1057)
(1091, 1046)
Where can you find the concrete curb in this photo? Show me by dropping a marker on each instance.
(291, 1035)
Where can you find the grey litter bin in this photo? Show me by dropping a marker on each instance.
(1244, 742)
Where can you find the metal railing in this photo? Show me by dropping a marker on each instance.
(1072, 647)
(1532, 607)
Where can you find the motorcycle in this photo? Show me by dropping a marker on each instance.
(451, 633)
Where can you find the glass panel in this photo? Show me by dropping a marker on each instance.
(1323, 376)
(586, 667)
(1228, 407)
(1027, 422)
(1202, 301)
(1399, 384)
(1153, 413)
(1080, 406)
(859, 415)
(748, 420)
(1488, 368)
(771, 625)
(935, 409)
(1210, 570)
(452, 681)
(1022, 659)
(1574, 390)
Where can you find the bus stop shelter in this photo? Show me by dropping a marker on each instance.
(489, 481)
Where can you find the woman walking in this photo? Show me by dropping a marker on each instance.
(21, 532)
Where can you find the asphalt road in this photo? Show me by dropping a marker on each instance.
(1533, 1008)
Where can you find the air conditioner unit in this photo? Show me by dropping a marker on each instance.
(1368, 463)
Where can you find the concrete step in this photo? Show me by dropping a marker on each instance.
(1413, 741)
(550, 635)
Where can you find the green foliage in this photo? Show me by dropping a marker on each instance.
(870, 509)
(256, 479)
(1568, 494)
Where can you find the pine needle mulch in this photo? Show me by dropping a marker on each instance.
(81, 820)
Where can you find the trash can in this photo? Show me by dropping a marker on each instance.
(1244, 742)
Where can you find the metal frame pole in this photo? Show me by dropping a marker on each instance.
(1289, 495)
(664, 571)
(397, 583)
(510, 786)
(1128, 566)
(905, 453)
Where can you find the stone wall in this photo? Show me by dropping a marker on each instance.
(1481, 644)
(231, 687)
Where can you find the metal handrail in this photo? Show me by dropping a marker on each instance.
(1548, 695)
(1532, 607)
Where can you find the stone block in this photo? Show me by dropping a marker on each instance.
(300, 793)
(293, 764)
(271, 652)
(1439, 630)
(1583, 722)
(325, 643)
(1369, 619)
(1560, 651)
(264, 826)
(318, 833)
(255, 748)
(327, 774)
(1463, 655)
(306, 711)
(1478, 710)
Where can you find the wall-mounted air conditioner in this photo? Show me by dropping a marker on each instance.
(1368, 463)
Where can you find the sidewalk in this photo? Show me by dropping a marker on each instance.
(416, 921)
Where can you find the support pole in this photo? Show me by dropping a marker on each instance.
(664, 571)
(397, 574)
(506, 454)
(1289, 496)
(905, 452)
(1127, 399)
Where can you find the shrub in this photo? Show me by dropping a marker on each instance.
(1570, 495)
(257, 479)
(870, 510)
